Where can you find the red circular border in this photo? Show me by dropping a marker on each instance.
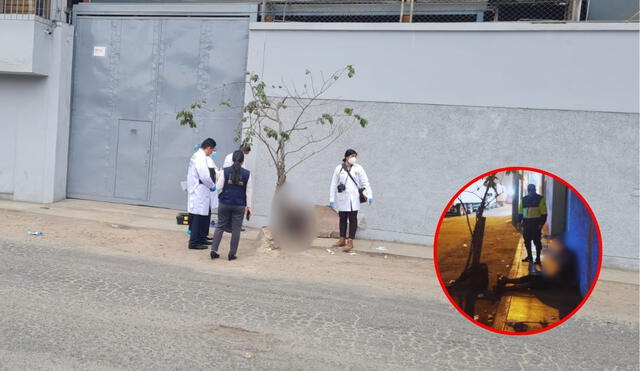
(435, 251)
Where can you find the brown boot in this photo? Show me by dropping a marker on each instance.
(340, 242)
(348, 246)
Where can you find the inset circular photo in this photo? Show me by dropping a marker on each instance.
(517, 250)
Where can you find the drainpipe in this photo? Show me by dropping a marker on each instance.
(576, 9)
(411, 12)
(401, 9)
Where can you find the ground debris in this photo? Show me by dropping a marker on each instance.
(266, 240)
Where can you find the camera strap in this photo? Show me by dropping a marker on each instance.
(350, 176)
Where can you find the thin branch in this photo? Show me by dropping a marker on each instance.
(314, 152)
(311, 140)
(467, 215)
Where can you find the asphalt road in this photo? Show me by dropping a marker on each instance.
(69, 309)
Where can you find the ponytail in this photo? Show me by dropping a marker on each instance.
(238, 159)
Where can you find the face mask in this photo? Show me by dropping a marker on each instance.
(352, 160)
(213, 155)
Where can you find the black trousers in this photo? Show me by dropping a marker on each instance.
(229, 217)
(532, 233)
(537, 281)
(352, 218)
(199, 225)
(206, 232)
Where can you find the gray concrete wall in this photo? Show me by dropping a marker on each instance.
(35, 126)
(419, 155)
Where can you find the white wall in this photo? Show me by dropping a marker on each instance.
(574, 66)
(34, 126)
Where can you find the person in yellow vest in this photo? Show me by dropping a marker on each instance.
(532, 214)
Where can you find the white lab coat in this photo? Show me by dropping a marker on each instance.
(349, 199)
(214, 194)
(199, 195)
(228, 161)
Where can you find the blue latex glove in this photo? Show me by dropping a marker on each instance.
(332, 205)
(370, 201)
(212, 189)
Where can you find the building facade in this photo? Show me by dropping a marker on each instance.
(89, 104)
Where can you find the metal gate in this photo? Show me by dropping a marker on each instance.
(134, 68)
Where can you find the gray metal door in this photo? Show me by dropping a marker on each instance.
(131, 76)
(132, 164)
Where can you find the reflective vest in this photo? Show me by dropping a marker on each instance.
(532, 207)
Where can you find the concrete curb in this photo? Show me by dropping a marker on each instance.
(373, 247)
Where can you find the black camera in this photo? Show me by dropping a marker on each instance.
(341, 188)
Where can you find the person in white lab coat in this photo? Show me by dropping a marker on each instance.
(228, 161)
(344, 196)
(235, 185)
(199, 188)
(214, 172)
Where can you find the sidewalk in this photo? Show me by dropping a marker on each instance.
(111, 213)
(164, 219)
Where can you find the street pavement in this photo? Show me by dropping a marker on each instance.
(63, 309)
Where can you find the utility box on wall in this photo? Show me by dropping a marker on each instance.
(25, 43)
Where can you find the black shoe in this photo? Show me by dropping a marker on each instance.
(214, 255)
(502, 281)
(209, 239)
(528, 259)
(242, 229)
(538, 262)
(232, 257)
(199, 247)
(206, 242)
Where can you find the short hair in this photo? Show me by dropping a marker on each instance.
(245, 148)
(208, 143)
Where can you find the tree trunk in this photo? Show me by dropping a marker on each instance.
(281, 167)
(282, 178)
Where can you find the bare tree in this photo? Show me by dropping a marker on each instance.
(264, 119)
(474, 278)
